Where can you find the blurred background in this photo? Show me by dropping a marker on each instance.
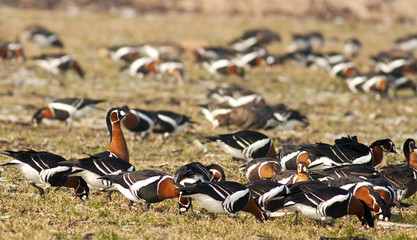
(334, 10)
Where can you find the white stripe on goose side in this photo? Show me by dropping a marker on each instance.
(229, 202)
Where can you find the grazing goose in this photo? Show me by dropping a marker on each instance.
(43, 168)
(223, 197)
(65, 109)
(246, 145)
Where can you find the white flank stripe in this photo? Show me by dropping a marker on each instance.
(288, 157)
(36, 162)
(321, 208)
(242, 100)
(255, 146)
(322, 163)
(146, 118)
(62, 106)
(366, 87)
(143, 183)
(137, 64)
(169, 120)
(47, 173)
(104, 171)
(228, 203)
(220, 111)
(311, 200)
(272, 193)
(287, 180)
(347, 186)
(218, 191)
(250, 169)
(162, 179)
(364, 159)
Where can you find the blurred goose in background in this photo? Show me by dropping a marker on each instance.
(169, 122)
(254, 38)
(166, 49)
(352, 47)
(40, 36)
(245, 145)
(212, 53)
(394, 62)
(250, 116)
(407, 43)
(235, 95)
(65, 109)
(253, 58)
(288, 118)
(141, 67)
(224, 67)
(371, 83)
(58, 63)
(306, 43)
(11, 50)
(173, 68)
(139, 121)
(122, 53)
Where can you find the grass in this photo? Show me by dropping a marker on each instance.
(332, 111)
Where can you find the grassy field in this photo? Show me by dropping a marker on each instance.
(331, 109)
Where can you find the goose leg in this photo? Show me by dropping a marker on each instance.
(109, 195)
(147, 206)
(41, 191)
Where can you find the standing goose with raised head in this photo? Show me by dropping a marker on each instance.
(114, 160)
(118, 146)
(403, 178)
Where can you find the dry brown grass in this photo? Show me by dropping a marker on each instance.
(325, 100)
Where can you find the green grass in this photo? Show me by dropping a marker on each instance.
(325, 100)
